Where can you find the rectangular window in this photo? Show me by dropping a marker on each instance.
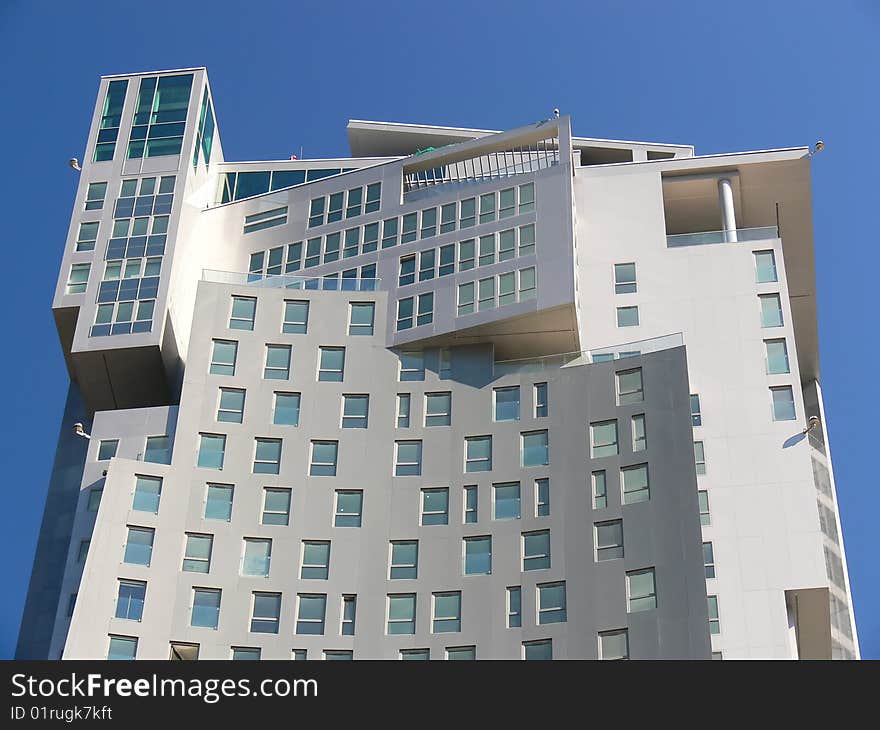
(506, 403)
(603, 439)
(404, 560)
(551, 603)
(447, 217)
(445, 370)
(696, 414)
(296, 317)
(468, 213)
(267, 456)
(527, 198)
(538, 650)
(700, 457)
(349, 508)
(158, 450)
(609, 540)
(415, 654)
(313, 254)
(332, 364)
(709, 559)
(639, 434)
(310, 613)
(83, 551)
(627, 316)
(355, 411)
(477, 555)
(352, 243)
(266, 219)
(641, 590)
(508, 203)
(266, 613)
(349, 611)
(765, 267)
(111, 119)
(277, 362)
(160, 116)
(409, 228)
(223, 357)
(487, 207)
(242, 653)
(403, 410)
(624, 278)
(88, 234)
(78, 278)
(316, 212)
(435, 506)
(614, 645)
(374, 191)
(486, 250)
(629, 387)
(534, 448)
(218, 502)
(407, 458)
(425, 314)
(600, 490)
(121, 647)
(714, 619)
(354, 203)
(401, 614)
(446, 612)
(107, 449)
(130, 600)
(197, 554)
(486, 294)
(507, 245)
(405, 313)
(139, 546)
(334, 209)
(315, 560)
(389, 233)
(777, 357)
(371, 237)
(361, 317)
(147, 491)
(94, 499)
(783, 403)
(231, 406)
(634, 480)
(244, 310)
(542, 498)
(323, 459)
(478, 453)
(300, 655)
(256, 557)
(536, 550)
(470, 504)
(466, 255)
(276, 506)
(447, 260)
(427, 264)
(466, 298)
(438, 409)
(771, 310)
(542, 403)
(506, 288)
(703, 498)
(514, 607)
(286, 410)
(506, 502)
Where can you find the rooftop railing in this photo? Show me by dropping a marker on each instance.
(741, 235)
(287, 281)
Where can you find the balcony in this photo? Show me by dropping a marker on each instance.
(740, 235)
(286, 281)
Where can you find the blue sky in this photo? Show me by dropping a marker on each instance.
(722, 76)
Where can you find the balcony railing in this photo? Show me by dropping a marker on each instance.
(286, 281)
(586, 357)
(742, 235)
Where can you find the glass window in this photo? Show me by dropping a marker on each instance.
(538, 650)
(374, 191)
(709, 559)
(478, 453)
(130, 600)
(641, 590)
(466, 255)
(635, 484)
(777, 357)
(404, 559)
(536, 550)
(158, 450)
(435, 506)
(323, 461)
(535, 448)
(401, 613)
(277, 362)
(700, 457)
(514, 607)
(311, 610)
(315, 560)
(146, 494)
(256, 558)
(223, 357)
(447, 260)
(527, 198)
(609, 540)
(205, 608)
(139, 546)
(600, 490)
(627, 316)
(468, 213)
(355, 411)
(349, 507)
(445, 370)
(438, 409)
(466, 298)
(361, 317)
(487, 207)
(197, 554)
(83, 551)
(244, 310)
(783, 403)
(551, 603)
(714, 619)
(703, 498)
(527, 240)
(765, 267)
(231, 406)
(88, 234)
(507, 245)
(267, 456)
(629, 387)
(459, 653)
(300, 655)
(78, 278)
(542, 403)
(447, 612)
(107, 449)
(447, 217)
(415, 654)
(639, 435)
(94, 499)
(218, 502)
(477, 555)
(121, 647)
(403, 410)
(427, 264)
(405, 313)
(506, 502)
(354, 204)
(407, 458)
(486, 294)
(425, 313)
(296, 317)
(771, 310)
(486, 250)
(470, 504)
(603, 438)
(332, 365)
(286, 411)
(542, 498)
(241, 653)
(389, 232)
(624, 278)
(508, 203)
(614, 645)
(696, 414)
(111, 119)
(349, 611)
(276, 506)
(506, 403)
(410, 227)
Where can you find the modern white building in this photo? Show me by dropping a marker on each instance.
(464, 394)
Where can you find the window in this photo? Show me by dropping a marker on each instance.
(535, 448)
(265, 219)
(536, 550)
(404, 559)
(627, 316)
(696, 414)
(765, 267)
(197, 553)
(316, 212)
(323, 461)
(407, 458)
(94, 499)
(401, 614)
(355, 411)
(277, 362)
(542, 498)
(403, 410)
(629, 387)
(158, 450)
(412, 366)
(466, 255)
(477, 555)
(231, 407)
(486, 294)
(276, 506)
(783, 403)
(771, 310)
(639, 435)
(266, 613)
(286, 410)
(111, 118)
(447, 612)
(514, 607)
(349, 610)
(139, 546)
(244, 310)
(470, 504)
(486, 250)
(487, 207)
(614, 645)
(609, 540)
(404, 314)
(83, 551)
(466, 298)
(256, 558)
(205, 608)
(468, 214)
(641, 591)
(267, 456)
(709, 559)
(527, 240)
(361, 316)
(700, 457)
(542, 404)
(146, 494)
(88, 234)
(242, 653)
(296, 317)
(415, 654)
(315, 560)
(160, 116)
(714, 620)
(374, 191)
(445, 370)
(527, 198)
(218, 503)
(538, 650)
(311, 610)
(122, 647)
(777, 357)
(603, 438)
(354, 202)
(507, 245)
(600, 490)
(478, 453)
(703, 498)
(211, 450)
(624, 278)
(407, 272)
(506, 501)
(349, 506)
(435, 506)
(438, 409)
(78, 278)
(635, 484)
(389, 233)
(425, 314)
(506, 403)
(130, 600)
(223, 357)
(107, 449)
(409, 227)
(300, 655)
(551, 603)
(427, 264)
(332, 364)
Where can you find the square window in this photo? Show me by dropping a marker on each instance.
(634, 480)
(286, 410)
(276, 506)
(355, 411)
(538, 650)
(277, 362)
(267, 456)
(783, 403)
(315, 560)
(218, 502)
(158, 450)
(438, 409)
(197, 554)
(609, 540)
(629, 387)
(603, 438)
(447, 612)
(332, 364)
(266, 613)
(296, 317)
(478, 453)
(401, 614)
(107, 449)
(506, 403)
(534, 448)
(323, 460)
(435, 506)
(404, 560)
(147, 491)
(407, 458)
(477, 555)
(223, 357)
(551, 603)
(231, 406)
(641, 590)
(614, 645)
(310, 614)
(122, 648)
(506, 502)
(361, 317)
(624, 278)
(536, 550)
(244, 310)
(627, 316)
(349, 507)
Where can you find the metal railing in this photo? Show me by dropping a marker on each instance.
(287, 281)
(741, 235)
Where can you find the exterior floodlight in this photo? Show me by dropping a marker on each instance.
(79, 431)
(74, 163)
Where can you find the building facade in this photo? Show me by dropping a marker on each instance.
(463, 394)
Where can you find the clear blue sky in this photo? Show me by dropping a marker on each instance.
(723, 76)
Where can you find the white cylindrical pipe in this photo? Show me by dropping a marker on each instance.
(728, 213)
